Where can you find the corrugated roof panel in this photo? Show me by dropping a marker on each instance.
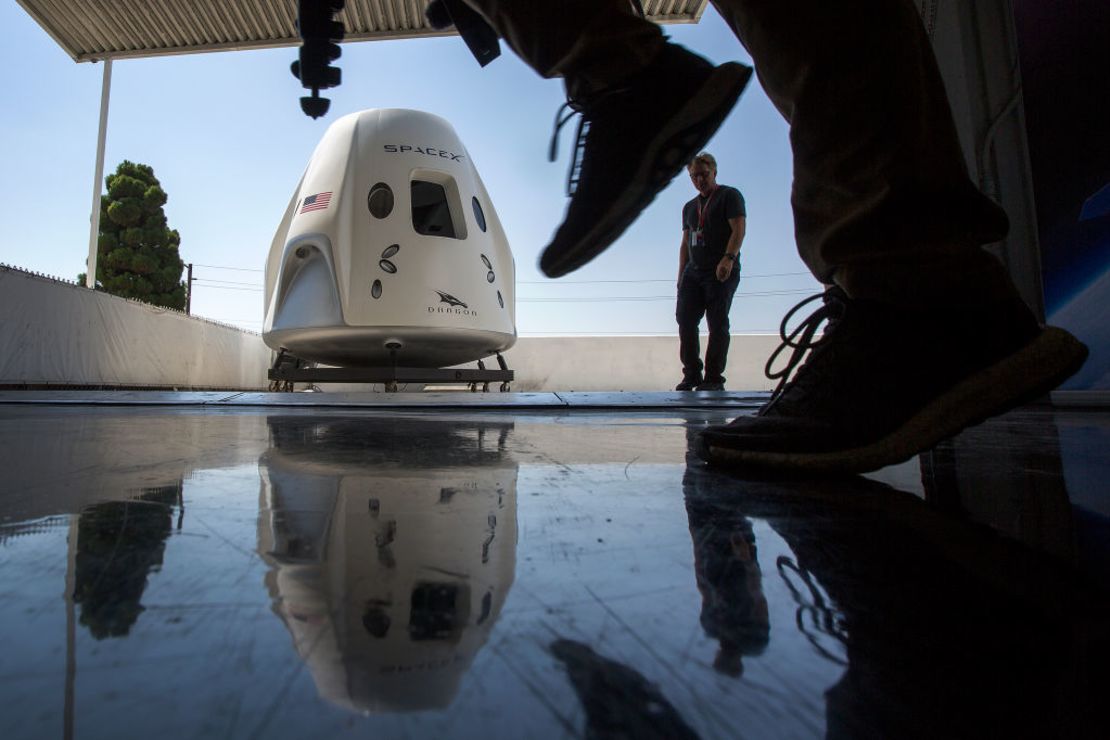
(75, 28)
(90, 30)
(171, 31)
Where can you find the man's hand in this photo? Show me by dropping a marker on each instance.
(724, 268)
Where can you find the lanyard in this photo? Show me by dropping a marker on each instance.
(703, 210)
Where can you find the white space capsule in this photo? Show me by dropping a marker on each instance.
(390, 244)
(389, 572)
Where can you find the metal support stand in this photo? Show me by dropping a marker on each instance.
(284, 363)
(288, 370)
(504, 366)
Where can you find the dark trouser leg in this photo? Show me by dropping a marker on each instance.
(689, 309)
(718, 303)
(590, 43)
(883, 205)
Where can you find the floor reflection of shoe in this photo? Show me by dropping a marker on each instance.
(882, 385)
(711, 385)
(618, 700)
(687, 384)
(632, 140)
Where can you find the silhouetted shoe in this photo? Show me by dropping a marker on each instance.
(632, 140)
(883, 384)
(619, 701)
(711, 385)
(688, 384)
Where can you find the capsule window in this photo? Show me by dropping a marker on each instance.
(431, 213)
(380, 200)
(479, 215)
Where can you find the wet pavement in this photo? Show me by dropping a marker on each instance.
(261, 571)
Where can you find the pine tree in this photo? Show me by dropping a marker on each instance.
(137, 253)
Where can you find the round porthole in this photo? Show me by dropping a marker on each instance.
(490, 277)
(387, 266)
(380, 200)
(376, 289)
(478, 215)
(500, 300)
(391, 250)
(485, 261)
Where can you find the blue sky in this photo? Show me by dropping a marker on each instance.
(225, 135)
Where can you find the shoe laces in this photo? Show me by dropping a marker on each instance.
(801, 339)
(818, 611)
(572, 108)
(586, 108)
(567, 111)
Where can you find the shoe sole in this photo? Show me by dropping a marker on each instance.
(705, 111)
(1049, 359)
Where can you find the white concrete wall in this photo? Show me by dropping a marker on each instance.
(627, 363)
(56, 333)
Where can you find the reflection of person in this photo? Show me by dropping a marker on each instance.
(713, 225)
(926, 333)
(733, 607)
(944, 632)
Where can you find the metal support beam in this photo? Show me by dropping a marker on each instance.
(94, 228)
(189, 290)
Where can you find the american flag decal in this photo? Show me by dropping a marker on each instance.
(316, 202)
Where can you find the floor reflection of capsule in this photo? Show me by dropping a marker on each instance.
(389, 572)
(970, 602)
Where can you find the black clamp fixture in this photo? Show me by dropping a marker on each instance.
(321, 34)
(480, 38)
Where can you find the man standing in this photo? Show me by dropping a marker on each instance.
(708, 272)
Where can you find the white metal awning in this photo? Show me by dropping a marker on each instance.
(95, 30)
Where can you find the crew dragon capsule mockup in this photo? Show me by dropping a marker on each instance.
(390, 252)
(389, 571)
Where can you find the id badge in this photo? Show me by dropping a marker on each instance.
(696, 238)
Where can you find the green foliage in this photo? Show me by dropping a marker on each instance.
(107, 242)
(123, 186)
(118, 260)
(153, 199)
(137, 253)
(124, 212)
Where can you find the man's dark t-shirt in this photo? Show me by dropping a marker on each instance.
(725, 203)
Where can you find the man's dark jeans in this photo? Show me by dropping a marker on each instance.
(700, 293)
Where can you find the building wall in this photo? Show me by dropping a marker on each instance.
(627, 363)
(57, 333)
(976, 49)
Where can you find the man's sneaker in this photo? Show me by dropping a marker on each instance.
(711, 385)
(883, 384)
(632, 140)
(688, 384)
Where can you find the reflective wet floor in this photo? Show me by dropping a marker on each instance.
(268, 572)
